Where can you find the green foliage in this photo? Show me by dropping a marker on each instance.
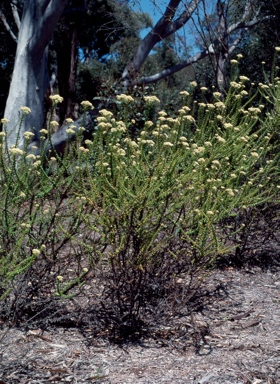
(139, 212)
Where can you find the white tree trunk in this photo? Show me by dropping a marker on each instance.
(30, 77)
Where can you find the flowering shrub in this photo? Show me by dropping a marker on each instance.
(141, 211)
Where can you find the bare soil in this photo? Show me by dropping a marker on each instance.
(233, 337)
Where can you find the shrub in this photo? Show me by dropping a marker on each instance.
(141, 214)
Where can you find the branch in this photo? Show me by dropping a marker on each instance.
(176, 68)
(247, 9)
(150, 40)
(241, 25)
(6, 24)
(181, 20)
(50, 12)
(235, 43)
(59, 139)
(194, 59)
(163, 28)
(15, 13)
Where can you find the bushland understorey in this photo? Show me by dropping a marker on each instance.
(143, 208)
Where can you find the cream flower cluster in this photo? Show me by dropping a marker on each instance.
(56, 99)
(87, 105)
(28, 135)
(126, 99)
(16, 151)
(25, 110)
(151, 100)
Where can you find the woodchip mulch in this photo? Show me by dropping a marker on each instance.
(233, 338)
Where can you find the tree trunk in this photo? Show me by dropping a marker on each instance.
(222, 47)
(67, 69)
(30, 78)
(220, 72)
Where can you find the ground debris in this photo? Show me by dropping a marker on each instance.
(234, 338)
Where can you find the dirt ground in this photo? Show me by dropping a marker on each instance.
(233, 338)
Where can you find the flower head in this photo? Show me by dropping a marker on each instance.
(228, 125)
(184, 93)
(25, 110)
(230, 192)
(189, 118)
(167, 144)
(28, 135)
(149, 124)
(31, 156)
(83, 149)
(121, 152)
(37, 163)
(43, 131)
(220, 139)
(88, 142)
(216, 162)
(105, 113)
(217, 94)
(220, 104)
(87, 105)
(70, 131)
(56, 99)
(254, 110)
(36, 252)
(255, 155)
(16, 151)
(244, 78)
(126, 99)
(54, 124)
(151, 100)
(236, 85)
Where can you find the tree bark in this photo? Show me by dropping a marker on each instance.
(67, 69)
(30, 78)
(222, 47)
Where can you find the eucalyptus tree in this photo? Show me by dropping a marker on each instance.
(30, 75)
